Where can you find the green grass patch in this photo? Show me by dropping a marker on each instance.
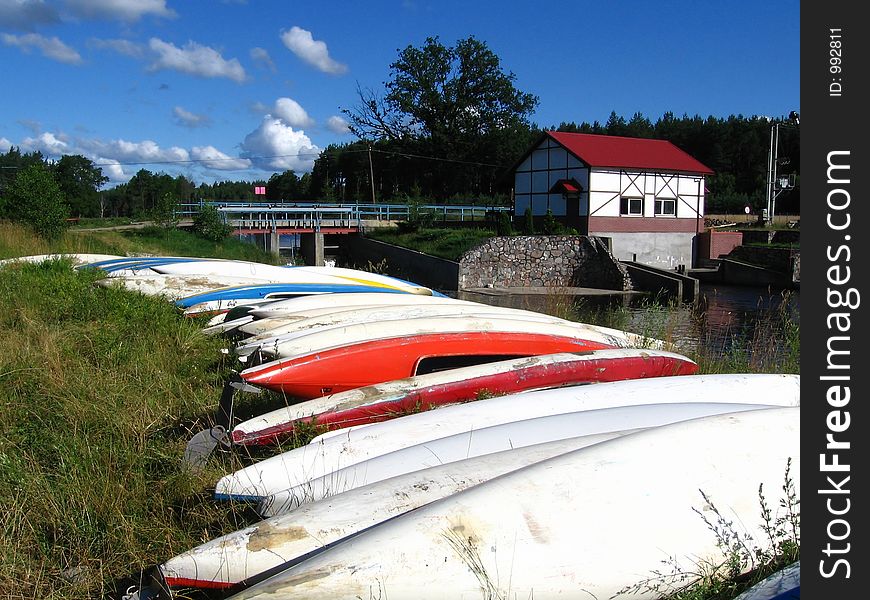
(17, 241)
(100, 391)
(442, 242)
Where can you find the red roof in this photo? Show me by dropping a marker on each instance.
(632, 153)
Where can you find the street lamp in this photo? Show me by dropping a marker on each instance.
(772, 161)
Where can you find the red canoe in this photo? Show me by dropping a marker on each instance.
(391, 399)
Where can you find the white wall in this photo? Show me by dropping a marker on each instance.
(664, 250)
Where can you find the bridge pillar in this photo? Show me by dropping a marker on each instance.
(274, 242)
(311, 246)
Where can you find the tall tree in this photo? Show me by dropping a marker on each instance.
(447, 104)
(80, 180)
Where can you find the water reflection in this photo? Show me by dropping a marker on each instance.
(725, 319)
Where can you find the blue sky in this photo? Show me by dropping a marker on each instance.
(241, 89)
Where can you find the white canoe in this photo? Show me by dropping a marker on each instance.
(175, 287)
(248, 324)
(352, 327)
(599, 522)
(309, 342)
(488, 440)
(241, 268)
(368, 278)
(75, 259)
(370, 314)
(422, 392)
(290, 274)
(354, 446)
(360, 313)
(290, 306)
(254, 550)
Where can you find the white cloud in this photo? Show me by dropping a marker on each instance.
(146, 151)
(26, 15)
(301, 43)
(51, 48)
(113, 170)
(125, 47)
(276, 146)
(124, 10)
(188, 119)
(337, 125)
(195, 59)
(261, 56)
(5, 145)
(47, 143)
(289, 111)
(258, 108)
(213, 158)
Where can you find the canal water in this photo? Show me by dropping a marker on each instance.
(726, 321)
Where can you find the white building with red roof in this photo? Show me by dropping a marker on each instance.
(646, 196)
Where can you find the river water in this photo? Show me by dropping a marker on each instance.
(726, 320)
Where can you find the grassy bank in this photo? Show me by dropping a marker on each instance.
(101, 389)
(17, 241)
(441, 242)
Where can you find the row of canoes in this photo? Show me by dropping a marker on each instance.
(463, 454)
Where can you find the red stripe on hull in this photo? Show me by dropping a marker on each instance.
(202, 584)
(534, 377)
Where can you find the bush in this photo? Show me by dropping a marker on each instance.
(35, 199)
(165, 213)
(504, 224)
(528, 222)
(210, 225)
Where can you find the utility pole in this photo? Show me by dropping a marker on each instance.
(372, 175)
(773, 161)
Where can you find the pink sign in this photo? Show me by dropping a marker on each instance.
(260, 190)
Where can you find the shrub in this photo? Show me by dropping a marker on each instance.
(209, 224)
(35, 199)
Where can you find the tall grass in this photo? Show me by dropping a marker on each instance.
(770, 344)
(16, 241)
(100, 390)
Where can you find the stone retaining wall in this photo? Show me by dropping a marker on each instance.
(542, 261)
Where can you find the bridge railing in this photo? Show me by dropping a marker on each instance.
(310, 214)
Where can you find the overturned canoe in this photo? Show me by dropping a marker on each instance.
(394, 398)
(351, 446)
(597, 522)
(496, 438)
(324, 370)
(250, 553)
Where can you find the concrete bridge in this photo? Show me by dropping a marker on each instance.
(312, 220)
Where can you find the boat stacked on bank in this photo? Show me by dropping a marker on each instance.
(552, 492)
(466, 449)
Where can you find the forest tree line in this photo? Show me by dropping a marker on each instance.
(447, 127)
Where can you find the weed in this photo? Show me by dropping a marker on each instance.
(746, 560)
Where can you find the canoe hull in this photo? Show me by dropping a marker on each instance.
(367, 363)
(385, 401)
(534, 532)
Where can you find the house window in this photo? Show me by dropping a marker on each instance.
(666, 207)
(630, 206)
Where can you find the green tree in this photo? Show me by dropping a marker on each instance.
(450, 119)
(80, 180)
(210, 225)
(35, 199)
(165, 211)
(283, 187)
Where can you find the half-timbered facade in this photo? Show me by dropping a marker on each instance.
(646, 196)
